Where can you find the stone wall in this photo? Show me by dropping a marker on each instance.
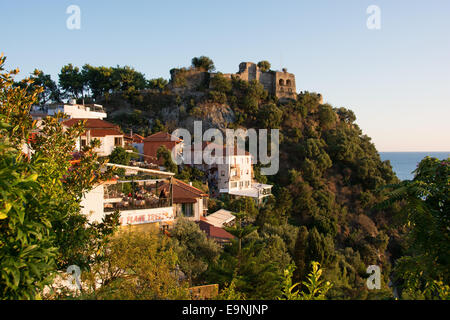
(285, 85)
(278, 83)
(281, 84)
(189, 79)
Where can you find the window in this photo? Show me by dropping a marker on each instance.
(222, 173)
(233, 185)
(118, 141)
(83, 142)
(288, 82)
(241, 184)
(187, 209)
(281, 82)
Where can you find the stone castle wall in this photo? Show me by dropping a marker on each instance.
(278, 83)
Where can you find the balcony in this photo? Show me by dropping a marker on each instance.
(137, 195)
(135, 204)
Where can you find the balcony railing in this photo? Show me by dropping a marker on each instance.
(136, 204)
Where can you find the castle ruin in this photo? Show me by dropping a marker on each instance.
(278, 83)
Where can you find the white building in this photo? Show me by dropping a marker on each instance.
(139, 202)
(231, 171)
(71, 109)
(188, 201)
(107, 133)
(155, 198)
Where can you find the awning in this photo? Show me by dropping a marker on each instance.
(220, 217)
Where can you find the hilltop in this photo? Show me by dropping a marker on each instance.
(330, 171)
(329, 176)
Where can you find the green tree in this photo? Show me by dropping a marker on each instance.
(270, 116)
(165, 154)
(120, 156)
(241, 232)
(255, 269)
(136, 265)
(315, 287)
(127, 81)
(158, 126)
(245, 205)
(220, 83)
(71, 80)
(229, 292)
(195, 250)
(264, 65)
(327, 116)
(42, 230)
(50, 92)
(300, 258)
(204, 63)
(158, 83)
(27, 250)
(425, 214)
(98, 79)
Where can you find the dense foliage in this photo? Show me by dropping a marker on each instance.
(326, 204)
(423, 271)
(41, 228)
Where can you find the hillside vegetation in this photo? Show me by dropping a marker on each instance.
(326, 193)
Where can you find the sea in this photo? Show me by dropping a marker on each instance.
(404, 163)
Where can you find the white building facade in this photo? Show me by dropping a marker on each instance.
(71, 109)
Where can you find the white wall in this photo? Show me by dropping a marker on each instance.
(245, 172)
(76, 111)
(92, 204)
(197, 207)
(106, 145)
(142, 216)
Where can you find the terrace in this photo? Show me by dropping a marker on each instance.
(143, 190)
(136, 195)
(73, 110)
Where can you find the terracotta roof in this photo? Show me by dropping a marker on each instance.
(214, 232)
(184, 193)
(97, 127)
(104, 132)
(162, 136)
(90, 123)
(136, 138)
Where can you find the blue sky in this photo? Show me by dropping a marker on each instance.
(396, 79)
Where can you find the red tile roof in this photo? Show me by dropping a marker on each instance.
(162, 136)
(97, 127)
(184, 193)
(104, 132)
(214, 232)
(90, 123)
(136, 138)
